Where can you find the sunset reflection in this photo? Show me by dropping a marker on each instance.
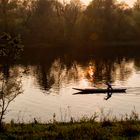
(49, 85)
(89, 73)
(60, 75)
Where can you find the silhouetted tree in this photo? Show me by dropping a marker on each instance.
(46, 23)
(10, 49)
(9, 89)
(71, 11)
(8, 14)
(136, 19)
(52, 22)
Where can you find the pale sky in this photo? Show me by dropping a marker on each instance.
(129, 2)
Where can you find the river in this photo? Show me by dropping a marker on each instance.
(48, 78)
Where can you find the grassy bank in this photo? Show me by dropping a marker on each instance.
(84, 129)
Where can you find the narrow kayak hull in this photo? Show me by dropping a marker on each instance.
(86, 90)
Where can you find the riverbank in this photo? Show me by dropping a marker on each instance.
(85, 129)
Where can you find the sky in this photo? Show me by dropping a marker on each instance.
(129, 2)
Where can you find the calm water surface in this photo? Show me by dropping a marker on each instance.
(47, 83)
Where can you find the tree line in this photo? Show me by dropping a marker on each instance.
(55, 22)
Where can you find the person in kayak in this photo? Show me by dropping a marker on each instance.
(109, 90)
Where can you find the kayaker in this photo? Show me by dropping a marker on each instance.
(109, 86)
(109, 90)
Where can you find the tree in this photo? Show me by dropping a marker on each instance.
(137, 5)
(7, 14)
(71, 11)
(3, 11)
(101, 15)
(11, 48)
(10, 88)
(10, 84)
(136, 18)
(46, 22)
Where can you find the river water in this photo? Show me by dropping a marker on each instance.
(48, 78)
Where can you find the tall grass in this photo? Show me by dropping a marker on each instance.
(86, 128)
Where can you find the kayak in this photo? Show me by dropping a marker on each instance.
(94, 90)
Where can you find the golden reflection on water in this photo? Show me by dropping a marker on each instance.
(56, 81)
(60, 75)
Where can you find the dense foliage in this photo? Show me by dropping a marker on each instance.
(11, 48)
(53, 22)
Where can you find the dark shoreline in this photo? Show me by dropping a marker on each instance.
(74, 130)
(77, 44)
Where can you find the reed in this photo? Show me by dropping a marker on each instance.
(128, 127)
